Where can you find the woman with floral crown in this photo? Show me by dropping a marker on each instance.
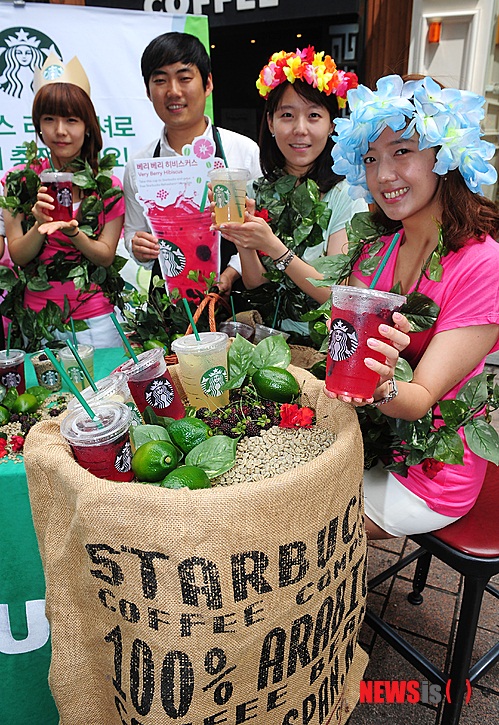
(66, 270)
(415, 150)
(303, 91)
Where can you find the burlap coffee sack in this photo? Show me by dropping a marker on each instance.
(228, 605)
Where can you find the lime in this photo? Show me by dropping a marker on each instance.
(25, 403)
(186, 476)
(188, 432)
(151, 344)
(276, 384)
(140, 434)
(4, 415)
(153, 460)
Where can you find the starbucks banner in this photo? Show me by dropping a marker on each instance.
(108, 43)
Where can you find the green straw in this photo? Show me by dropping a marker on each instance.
(274, 321)
(233, 308)
(83, 368)
(191, 319)
(73, 331)
(384, 260)
(203, 199)
(72, 386)
(124, 338)
(9, 331)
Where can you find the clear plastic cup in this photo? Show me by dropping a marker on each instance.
(262, 331)
(356, 314)
(233, 328)
(229, 194)
(101, 447)
(203, 368)
(60, 187)
(113, 387)
(151, 384)
(73, 370)
(12, 370)
(46, 374)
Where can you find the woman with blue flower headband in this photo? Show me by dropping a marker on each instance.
(416, 151)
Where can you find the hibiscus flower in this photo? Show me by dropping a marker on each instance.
(292, 416)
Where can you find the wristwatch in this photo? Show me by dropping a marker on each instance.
(392, 393)
(283, 262)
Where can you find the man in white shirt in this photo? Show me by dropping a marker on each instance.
(177, 74)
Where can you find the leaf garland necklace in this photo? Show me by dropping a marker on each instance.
(297, 215)
(99, 196)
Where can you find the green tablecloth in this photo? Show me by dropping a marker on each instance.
(25, 698)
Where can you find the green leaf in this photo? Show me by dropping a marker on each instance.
(475, 392)
(272, 352)
(421, 311)
(10, 397)
(453, 412)
(482, 439)
(151, 418)
(447, 446)
(39, 392)
(215, 455)
(140, 434)
(239, 359)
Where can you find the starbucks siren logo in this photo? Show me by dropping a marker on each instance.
(123, 461)
(212, 381)
(221, 196)
(172, 257)
(21, 51)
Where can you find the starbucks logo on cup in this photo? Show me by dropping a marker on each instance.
(343, 340)
(221, 195)
(75, 374)
(172, 258)
(123, 462)
(212, 381)
(159, 393)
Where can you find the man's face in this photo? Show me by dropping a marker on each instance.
(177, 94)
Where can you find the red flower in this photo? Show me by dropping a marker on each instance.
(431, 467)
(3, 444)
(17, 443)
(293, 416)
(263, 214)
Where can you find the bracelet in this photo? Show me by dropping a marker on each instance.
(71, 235)
(282, 255)
(282, 263)
(392, 393)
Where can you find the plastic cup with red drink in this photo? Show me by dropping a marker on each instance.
(151, 384)
(12, 370)
(101, 445)
(356, 314)
(60, 187)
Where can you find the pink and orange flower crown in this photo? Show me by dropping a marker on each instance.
(306, 65)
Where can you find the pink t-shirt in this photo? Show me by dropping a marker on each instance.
(468, 294)
(82, 305)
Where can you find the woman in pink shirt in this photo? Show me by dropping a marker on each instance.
(66, 267)
(415, 150)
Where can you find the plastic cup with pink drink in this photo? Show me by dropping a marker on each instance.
(101, 445)
(12, 369)
(151, 384)
(60, 187)
(356, 314)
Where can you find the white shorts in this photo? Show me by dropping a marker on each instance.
(397, 510)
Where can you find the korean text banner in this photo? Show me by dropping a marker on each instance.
(109, 44)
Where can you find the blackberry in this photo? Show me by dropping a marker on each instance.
(225, 429)
(245, 409)
(14, 418)
(232, 419)
(252, 428)
(257, 411)
(275, 419)
(215, 422)
(202, 413)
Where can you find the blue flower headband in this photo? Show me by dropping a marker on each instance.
(446, 118)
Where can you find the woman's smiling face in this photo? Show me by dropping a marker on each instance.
(400, 177)
(301, 129)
